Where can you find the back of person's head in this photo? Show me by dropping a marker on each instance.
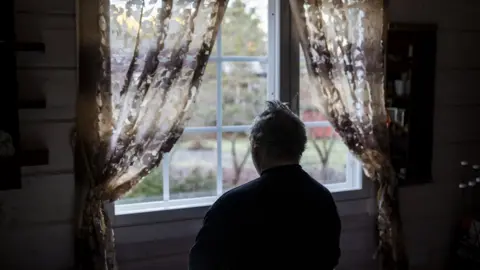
(277, 137)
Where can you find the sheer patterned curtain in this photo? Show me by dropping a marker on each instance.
(150, 62)
(342, 44)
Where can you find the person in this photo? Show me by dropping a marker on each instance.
(284, 219)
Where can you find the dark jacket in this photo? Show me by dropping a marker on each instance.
(282, 220)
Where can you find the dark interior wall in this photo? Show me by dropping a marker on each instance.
(36, 227)
(429, 211)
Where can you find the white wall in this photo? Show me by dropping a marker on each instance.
(37, 230)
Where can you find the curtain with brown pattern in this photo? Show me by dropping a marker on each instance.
(151, 59)
(342, 44)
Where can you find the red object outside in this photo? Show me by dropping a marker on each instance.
(318, 132)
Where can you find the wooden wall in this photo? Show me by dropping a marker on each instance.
(36, 227)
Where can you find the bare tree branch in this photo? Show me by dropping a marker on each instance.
(245, 157)
(238, 168)
(318, 149)
(324, 151)
(233, 141)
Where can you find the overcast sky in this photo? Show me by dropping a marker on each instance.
(261, 7)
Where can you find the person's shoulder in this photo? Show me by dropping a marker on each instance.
(315, 187)
(241, 191)
(235, 197)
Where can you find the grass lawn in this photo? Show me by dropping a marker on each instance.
(185, 180)
(337, 159)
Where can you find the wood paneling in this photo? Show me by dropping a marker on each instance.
(173, 262)
(460, 15)
(42, 199)
(44, 246)
(456, 124)
(60, 52)
(158, 231)
(456, 49)
(56, 86)
(52, 136)
(48, 7)
(457, 87)
(38, 223)
(356, 243)
(447, 158)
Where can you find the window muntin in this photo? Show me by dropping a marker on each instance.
(213, 155)
(326, 157)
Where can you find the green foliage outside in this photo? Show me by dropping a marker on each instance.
(244, 89)
(197, 181)
(152, 185)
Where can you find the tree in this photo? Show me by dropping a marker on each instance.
(242, 32)
(238, 161)
(241, 36)
(243, 83)
(323, 149)
(323, 143)
(244, 86)
(152, 184)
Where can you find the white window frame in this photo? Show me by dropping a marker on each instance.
(283, 64)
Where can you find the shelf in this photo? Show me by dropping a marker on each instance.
(411, 55)
(49, 114)
(32, 104)
(30, 158)
(23, 46)
(29, 47)
(11, 169)
(11, 178)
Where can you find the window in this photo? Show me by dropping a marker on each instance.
(326, 157)
(213, 155)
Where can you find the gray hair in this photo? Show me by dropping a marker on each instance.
(279, 132)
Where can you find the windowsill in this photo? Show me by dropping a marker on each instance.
(139, 227)
(158, 212)
(143, 213)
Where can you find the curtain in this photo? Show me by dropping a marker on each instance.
(151, 58)
(342, 44)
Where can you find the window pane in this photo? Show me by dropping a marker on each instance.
(244, 28)
(214, 49)
(124, 27)
(193, 166)
(308, 109)
(244, 90)
(237, 161)
(149, 189)
(325, 157)
(204, 110)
